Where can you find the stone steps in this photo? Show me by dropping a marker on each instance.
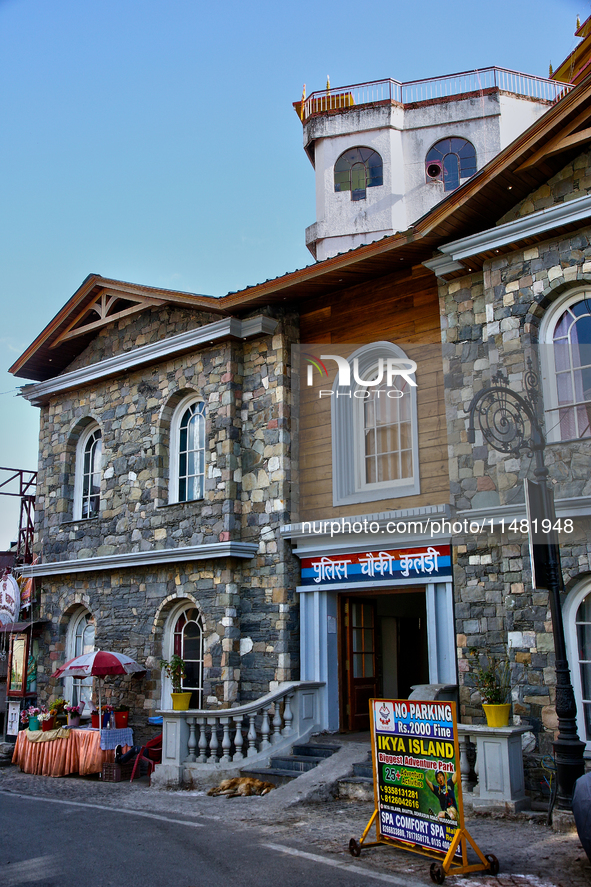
(359, 786)
(284, 768)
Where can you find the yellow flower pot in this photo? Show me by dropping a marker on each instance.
(497, 715)
(181, 701)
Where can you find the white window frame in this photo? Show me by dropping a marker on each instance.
(547, 362)
(174, 460)
(79, 470)
(569, 614)
(348, 446)
(168, 651)
(82, 613)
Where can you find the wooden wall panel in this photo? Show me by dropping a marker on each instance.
(403, 309)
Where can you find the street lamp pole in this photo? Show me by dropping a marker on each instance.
(502, 415)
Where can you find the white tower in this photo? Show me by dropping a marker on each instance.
(385, 152)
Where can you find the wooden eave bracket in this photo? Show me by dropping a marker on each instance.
(102, 305)
(565, 139)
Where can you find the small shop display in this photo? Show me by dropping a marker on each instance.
(30, 717)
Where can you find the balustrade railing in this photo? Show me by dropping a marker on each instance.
(205, 739)
(388, 91)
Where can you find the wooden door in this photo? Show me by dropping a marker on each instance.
(360, 664)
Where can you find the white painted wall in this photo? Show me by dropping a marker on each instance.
(402, 136)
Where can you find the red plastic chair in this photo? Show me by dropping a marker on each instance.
(150, 752)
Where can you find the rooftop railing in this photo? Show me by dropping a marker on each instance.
(431, 89)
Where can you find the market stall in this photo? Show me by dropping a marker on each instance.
(65, 750)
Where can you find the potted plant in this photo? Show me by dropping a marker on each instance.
(59, 707)
(74, 712)
(175, 670)
(121, 716)
(30, 717)
(47, 719)
(94, 716)
(493, 683)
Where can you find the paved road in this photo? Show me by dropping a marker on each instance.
(55, 842)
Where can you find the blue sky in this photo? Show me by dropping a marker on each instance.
(155, 141)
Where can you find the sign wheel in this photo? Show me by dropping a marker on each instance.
(493, 863)
(437, 873)
(354, 847)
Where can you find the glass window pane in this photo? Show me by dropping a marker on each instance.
(368, 640)
(584, 641)
(357, 640)
(451, 172)
(368, 615)
(192, 675)
(583, 417)
(567, 424)
(586, 680)
(357, 665)
(562, 355)
(368, 665)
(587, 711)
(584, 611)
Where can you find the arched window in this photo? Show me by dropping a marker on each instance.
(374, 429)
(449, 161)
(577, 622)
(87, 485)
(565, 337)
(184, 636)
(187, 451)
(79, 640)
(356, 170)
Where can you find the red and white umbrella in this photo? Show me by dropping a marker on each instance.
(98, 664)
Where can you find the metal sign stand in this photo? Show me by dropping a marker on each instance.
(441, 867)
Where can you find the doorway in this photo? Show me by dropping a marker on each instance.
(382, 650)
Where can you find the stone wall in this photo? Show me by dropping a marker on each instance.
(490, 322)
(249, 606)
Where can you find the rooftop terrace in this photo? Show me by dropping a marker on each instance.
(433, 89)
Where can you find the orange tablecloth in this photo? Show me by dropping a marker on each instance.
(80, 753)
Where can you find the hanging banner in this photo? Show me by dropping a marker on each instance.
(416, 769)
(10, 599)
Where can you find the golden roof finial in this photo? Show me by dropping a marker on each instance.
(327, 83)
(303, 102)
(578, 22)
(550, 71)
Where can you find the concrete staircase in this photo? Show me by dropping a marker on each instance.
(359, 786)
(284, 768)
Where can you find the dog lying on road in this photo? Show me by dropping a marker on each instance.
(241, 786)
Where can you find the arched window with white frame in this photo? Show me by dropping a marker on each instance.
(565, 344)
(183, 636)
(374, 428)
(187, 451)
(87, 482)
(80, 639)
(577, 624)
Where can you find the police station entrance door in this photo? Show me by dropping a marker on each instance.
(383, 650)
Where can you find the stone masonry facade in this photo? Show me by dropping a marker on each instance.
(248, 606)
(490, 322)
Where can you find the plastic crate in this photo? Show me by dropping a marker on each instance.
(117, 772)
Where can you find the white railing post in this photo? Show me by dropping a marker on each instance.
(192, 744)
(287, 715)
(213, 741)
(252, 736)
(238, 739)
(276, 724)
(201, 722)
(265, 729)
(226, 742)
